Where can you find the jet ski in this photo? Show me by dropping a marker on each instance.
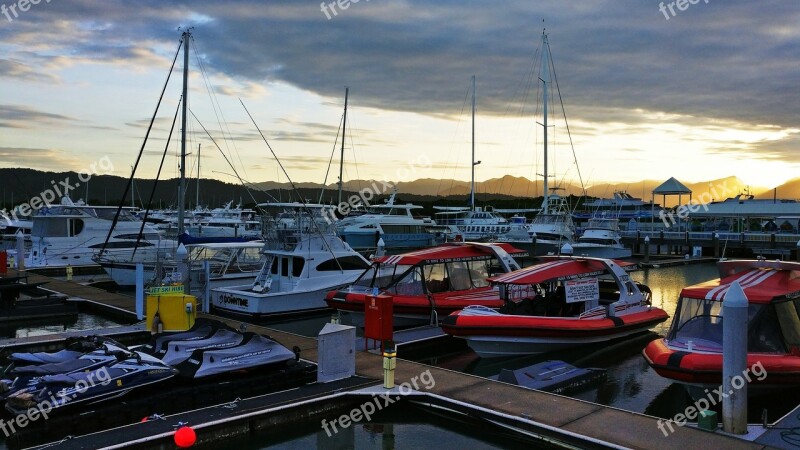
(255, 351)
(24, 377)
(75, 348)
(202, 329)
(180, 350)
(112, 381)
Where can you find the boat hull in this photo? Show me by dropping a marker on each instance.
(601, 251)
(500, 335)
(704, 370)
(238, 301)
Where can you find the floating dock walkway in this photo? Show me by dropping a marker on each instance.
(550, 417)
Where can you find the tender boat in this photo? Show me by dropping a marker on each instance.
(302, 264)
(692, 351)
(559, 304)
(429, 283)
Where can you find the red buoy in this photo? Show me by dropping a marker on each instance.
(185, 437)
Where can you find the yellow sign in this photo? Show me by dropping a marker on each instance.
(162, 290)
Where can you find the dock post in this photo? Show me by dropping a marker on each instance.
(715, 238)
(734, 360)
(533, 245)
(647, 249)
(139, 291)
(207, 287)
(20, 250)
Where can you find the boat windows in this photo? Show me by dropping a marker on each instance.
(380, 276)
(297, 266)
(789, 319)
(700, 321)
(459, 276)
(75, 227)
(344, 263)
(409, 285)
(478, 273)
(436, 278)
(284, 267)
(49, 226)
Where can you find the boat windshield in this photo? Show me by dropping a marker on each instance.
(380, 276)
(699, 321)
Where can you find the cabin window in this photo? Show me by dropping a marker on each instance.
(297, 266)
(409, 285)
(380, 275)
(763, 329)
(75, 227)
(284, 267)
(459, 276)
(479, 272)
(436, 278)
(698, 320)
(274, 268)
(788, 313)
(50, 226)
(345, 263)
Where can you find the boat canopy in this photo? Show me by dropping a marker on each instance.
(559, 270)
(450, 252)
(760, 285)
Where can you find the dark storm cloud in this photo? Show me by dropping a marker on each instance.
(724, 60)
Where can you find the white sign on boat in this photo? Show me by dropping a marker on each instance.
(582, 290)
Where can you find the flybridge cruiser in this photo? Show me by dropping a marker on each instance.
(227, 221)
(692, 351)
(556, 305)
(601, 239)
(72, 233)
(392, 222)
(429, 283)
(303, 262)
(551, 229)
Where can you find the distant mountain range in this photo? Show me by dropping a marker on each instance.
(718, 189)
(19, 185)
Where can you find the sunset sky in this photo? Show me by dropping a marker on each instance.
(713, 91)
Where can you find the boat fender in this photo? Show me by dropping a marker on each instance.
(296, 351)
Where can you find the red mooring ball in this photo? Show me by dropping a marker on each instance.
(185, 437)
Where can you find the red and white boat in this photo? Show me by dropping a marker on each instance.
(692, 351)
(562, 303)
(429, 283)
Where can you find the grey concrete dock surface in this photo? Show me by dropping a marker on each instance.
(613, 426)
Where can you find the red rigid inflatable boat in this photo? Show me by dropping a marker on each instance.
(430, 283)
(692, 351)
(555, 305)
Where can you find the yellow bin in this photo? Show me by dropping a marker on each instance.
(175, 312)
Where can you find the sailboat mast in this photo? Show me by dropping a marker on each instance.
(182, 190)
(341, 157)
(197, 194)
(472, 185)
(545, 72)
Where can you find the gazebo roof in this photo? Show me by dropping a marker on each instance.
(672, 186)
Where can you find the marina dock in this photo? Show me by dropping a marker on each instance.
(548, 417)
